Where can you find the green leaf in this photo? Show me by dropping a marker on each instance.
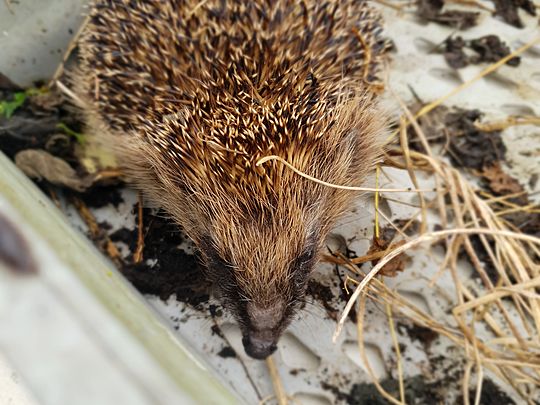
(7, 108)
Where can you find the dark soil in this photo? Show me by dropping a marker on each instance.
(417, 392)
(324, 295)
(507, 10)
(388, 233)
(419, 333)
(470, 147)
(491, 395)
(484, 258)
(227, 352)
(99, 197)
(487, 49)
(528, 223)
(174, 272)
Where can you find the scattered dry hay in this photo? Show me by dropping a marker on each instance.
(508, 308)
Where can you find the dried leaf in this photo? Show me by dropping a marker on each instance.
(394, 266)
(499, 182)
(487, 49)
(431, 10)
(40, 164)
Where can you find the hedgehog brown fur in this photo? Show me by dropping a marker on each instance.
(191, 94)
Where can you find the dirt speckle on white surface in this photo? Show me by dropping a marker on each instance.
(12, 390)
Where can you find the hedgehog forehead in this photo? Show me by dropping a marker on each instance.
(281, 230)
(225, 137)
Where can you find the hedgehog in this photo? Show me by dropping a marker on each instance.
(190, 95)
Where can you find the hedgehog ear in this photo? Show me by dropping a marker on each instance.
(362, 124)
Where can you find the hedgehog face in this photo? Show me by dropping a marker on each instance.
(263, 286)
(260, 229)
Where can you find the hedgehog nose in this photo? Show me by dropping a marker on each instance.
(259, 345)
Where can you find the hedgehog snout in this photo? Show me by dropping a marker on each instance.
(260, 344)
(264, 328)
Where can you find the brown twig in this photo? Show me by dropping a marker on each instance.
(138, 254)
(95, 232)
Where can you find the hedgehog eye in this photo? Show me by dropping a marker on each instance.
(302, 264)
(306, 257)
(213, 258)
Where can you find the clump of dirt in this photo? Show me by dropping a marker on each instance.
(227, 352)
(483, 256)
(469, 146)
(432, 10)
(389, 232)
(324, 295)
(166, 268)
(526, 222)
(487, 49)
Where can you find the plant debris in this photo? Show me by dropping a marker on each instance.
(384, 243)
(465, 144)
(499, 182)
(508, 10)
(487, 49)
(41, 165)
(394, 266)
(432, 10)
(8, 107)
(39, 122)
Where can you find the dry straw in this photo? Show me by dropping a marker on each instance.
(513, 355)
